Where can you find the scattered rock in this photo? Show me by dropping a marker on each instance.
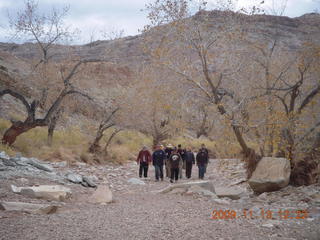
(3, 155)
(232, 192)
(89, 181)
(74, 178)
(37, 164)
(270, 175)
(8, 162)
(28, 207)
(48, 192)
(268, 225)
(102, 194)
(136, 181)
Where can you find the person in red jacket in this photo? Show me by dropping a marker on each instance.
(144, 159)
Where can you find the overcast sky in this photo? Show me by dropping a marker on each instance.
(93, 16)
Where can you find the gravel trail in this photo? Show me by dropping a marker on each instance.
(138, 212)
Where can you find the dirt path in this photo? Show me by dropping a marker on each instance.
(140, 213)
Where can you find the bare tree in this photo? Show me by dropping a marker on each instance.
(31, 121)
(45, 30)
(205, 72)
(104, 125)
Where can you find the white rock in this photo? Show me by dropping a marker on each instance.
(49, 192)
(136, 181)
(3, 155)
(268, 225)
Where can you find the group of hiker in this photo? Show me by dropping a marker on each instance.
(175, 159)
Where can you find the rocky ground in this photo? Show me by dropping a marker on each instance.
(139, 211)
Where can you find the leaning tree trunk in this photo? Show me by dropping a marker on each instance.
(16, 129)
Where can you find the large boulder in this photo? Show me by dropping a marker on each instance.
(28, 207)
(48, 192)
(229, 192)
(271, 174)
(102, 194)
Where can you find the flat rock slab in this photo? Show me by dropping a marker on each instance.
(208, 185)
(177, 191)
(48, 192)
(196, 189)
(28, 207)
(229, 192)
(102, 194)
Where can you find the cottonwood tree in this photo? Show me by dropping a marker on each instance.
(153, 107)
(32, 121)
(45, 30)
(106, 123)
(211, 65)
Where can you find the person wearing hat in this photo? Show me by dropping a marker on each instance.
(144, 159)
(168, 152)
(158, 158)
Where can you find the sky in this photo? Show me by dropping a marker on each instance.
(94, 18)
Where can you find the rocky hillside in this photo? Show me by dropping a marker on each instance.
(126, 56)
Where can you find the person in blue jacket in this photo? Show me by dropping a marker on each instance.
(158, 158)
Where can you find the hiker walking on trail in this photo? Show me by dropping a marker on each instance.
(168, 152)
(144, 159)
(203, 148)
(158, 158)
(202, 161)
(174, 161)
(189, 161)
(182, 165)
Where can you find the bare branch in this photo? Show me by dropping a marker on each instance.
(17, 96)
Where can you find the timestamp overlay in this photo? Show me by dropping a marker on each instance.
(280, 214)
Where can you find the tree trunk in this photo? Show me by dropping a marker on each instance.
(95, 146)
(110, 139)
(14, 131)
(250, 156)
(50, 135)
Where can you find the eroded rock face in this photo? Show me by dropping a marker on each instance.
(270, 175)
(102, 194)
(48, 192)
(28, 207)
